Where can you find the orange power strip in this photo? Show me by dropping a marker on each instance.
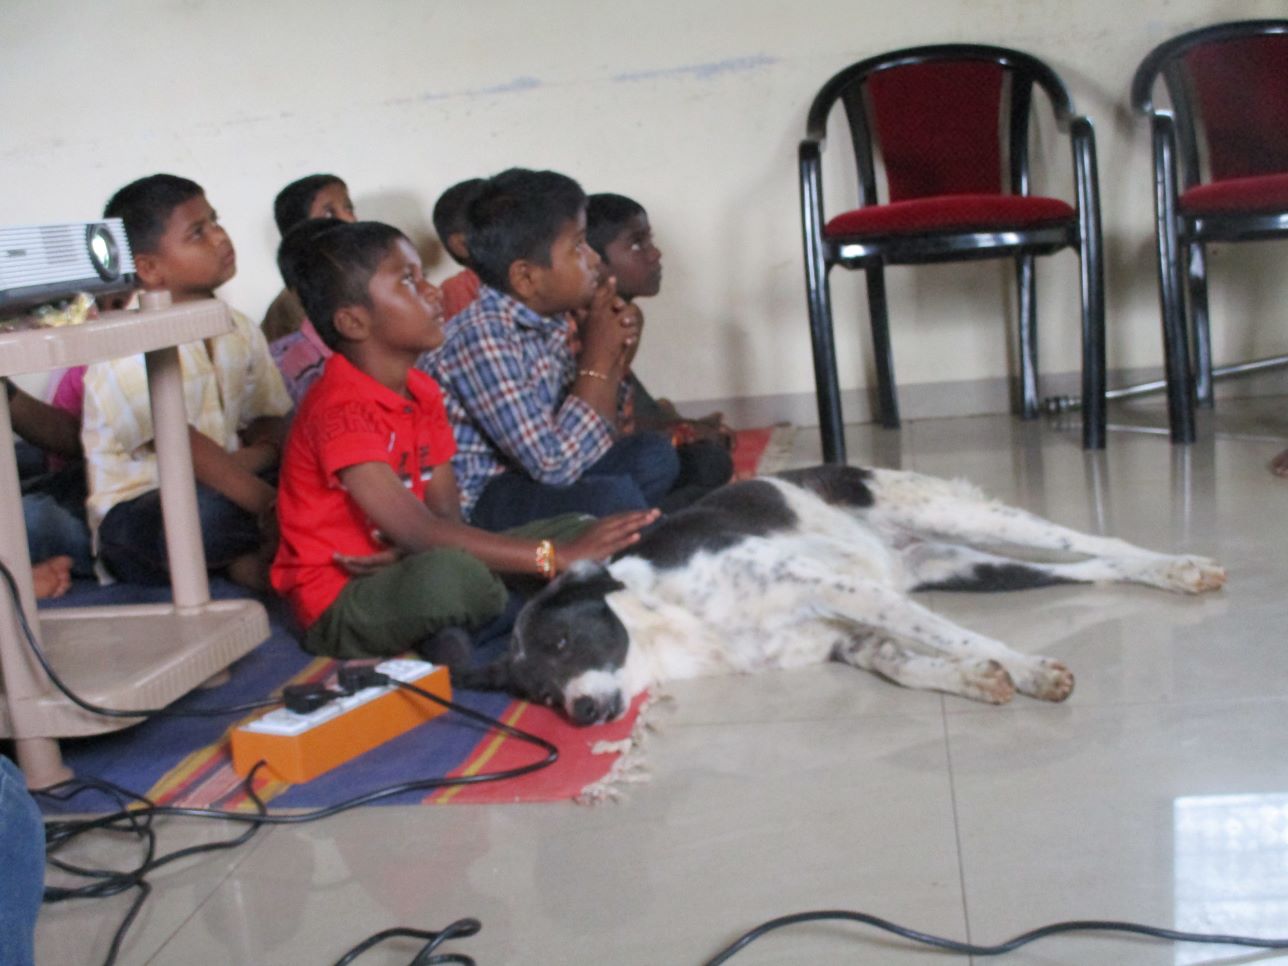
(298, 747)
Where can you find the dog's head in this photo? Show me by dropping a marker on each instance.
(567, 651)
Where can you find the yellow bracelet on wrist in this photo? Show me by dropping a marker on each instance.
(546, 559)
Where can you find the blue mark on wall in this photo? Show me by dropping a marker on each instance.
(734, 65)
(515, 86)
(518, 85)
(510, 87)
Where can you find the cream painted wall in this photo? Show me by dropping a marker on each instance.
(693, 107)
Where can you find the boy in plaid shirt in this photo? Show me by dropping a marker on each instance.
(536, 422)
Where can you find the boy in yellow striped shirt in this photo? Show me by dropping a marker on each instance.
(233, 393)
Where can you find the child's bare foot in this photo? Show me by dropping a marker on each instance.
(1279, 465)
(52, 577)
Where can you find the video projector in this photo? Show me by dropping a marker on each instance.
(43, 263)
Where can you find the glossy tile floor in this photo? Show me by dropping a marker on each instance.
(1157, 793)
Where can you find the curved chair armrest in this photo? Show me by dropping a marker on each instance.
(810, 153)
(811, 186)
(1061, 103)
(1030, 66)
(1143, 81)
(1082, 135)
(1162, 127)
(1146, 76)
(814, 143)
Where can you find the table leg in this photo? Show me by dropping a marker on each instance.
(178, 486)
(20, 673)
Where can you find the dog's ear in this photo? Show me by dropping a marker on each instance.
(490, 677)
(585, 578)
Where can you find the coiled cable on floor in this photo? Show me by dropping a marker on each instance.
(427, 956)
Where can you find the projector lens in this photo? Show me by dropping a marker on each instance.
(103, 252)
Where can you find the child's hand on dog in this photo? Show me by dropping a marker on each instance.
(605, 537)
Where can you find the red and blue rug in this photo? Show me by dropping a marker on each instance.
(186, 761)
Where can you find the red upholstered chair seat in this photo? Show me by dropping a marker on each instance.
(978, 212)
(1267, 192)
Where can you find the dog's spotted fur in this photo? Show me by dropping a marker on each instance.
(812, 566)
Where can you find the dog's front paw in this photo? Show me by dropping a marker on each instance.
(1193, 575)
(1048, 680)
(987, 681)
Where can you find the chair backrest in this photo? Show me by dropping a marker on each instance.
(944, 118)
(1228, 85)
(939, 127)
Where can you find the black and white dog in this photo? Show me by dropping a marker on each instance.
(810, 566)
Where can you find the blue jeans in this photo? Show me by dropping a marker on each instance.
(635, 474)
(131, 538)
(53, 530)
(22, 857)
(53, 509)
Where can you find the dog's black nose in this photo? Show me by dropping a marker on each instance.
(585, 711)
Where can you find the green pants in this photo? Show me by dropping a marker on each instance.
(392, 611)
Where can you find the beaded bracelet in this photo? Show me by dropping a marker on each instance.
(593, 374)
(546, 559)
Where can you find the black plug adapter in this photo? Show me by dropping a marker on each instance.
(354, 677)
(303, 698)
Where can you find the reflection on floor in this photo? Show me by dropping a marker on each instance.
(1156, 793)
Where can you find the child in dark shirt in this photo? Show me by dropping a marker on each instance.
(314, 196)
(374, 557)
(451, 225)
(618, 229)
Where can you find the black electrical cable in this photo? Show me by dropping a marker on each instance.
(459, 929)
(112, 882)
(299, 818)
(139, 818)
(1082, 925)
(113, 712)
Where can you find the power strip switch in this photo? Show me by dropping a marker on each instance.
(297, 748)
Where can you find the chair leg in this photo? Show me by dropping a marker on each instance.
(1026, 286)
(826, 386)
(1092, 279)
(1176, 350)
(1091, 263)
(1199, 324)
(879, 317)
(1171, 285)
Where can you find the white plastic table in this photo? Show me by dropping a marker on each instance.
(129, 656)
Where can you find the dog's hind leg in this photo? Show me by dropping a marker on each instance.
(982, 680)
(942, 566)
(953, 511)
(887, 611)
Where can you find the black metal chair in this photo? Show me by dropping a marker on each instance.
(1220, 175)
(951, 123)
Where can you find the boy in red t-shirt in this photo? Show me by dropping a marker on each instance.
(374, 557)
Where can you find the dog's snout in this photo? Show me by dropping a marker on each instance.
(585, 711)
(589, 710)
(616, 707)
